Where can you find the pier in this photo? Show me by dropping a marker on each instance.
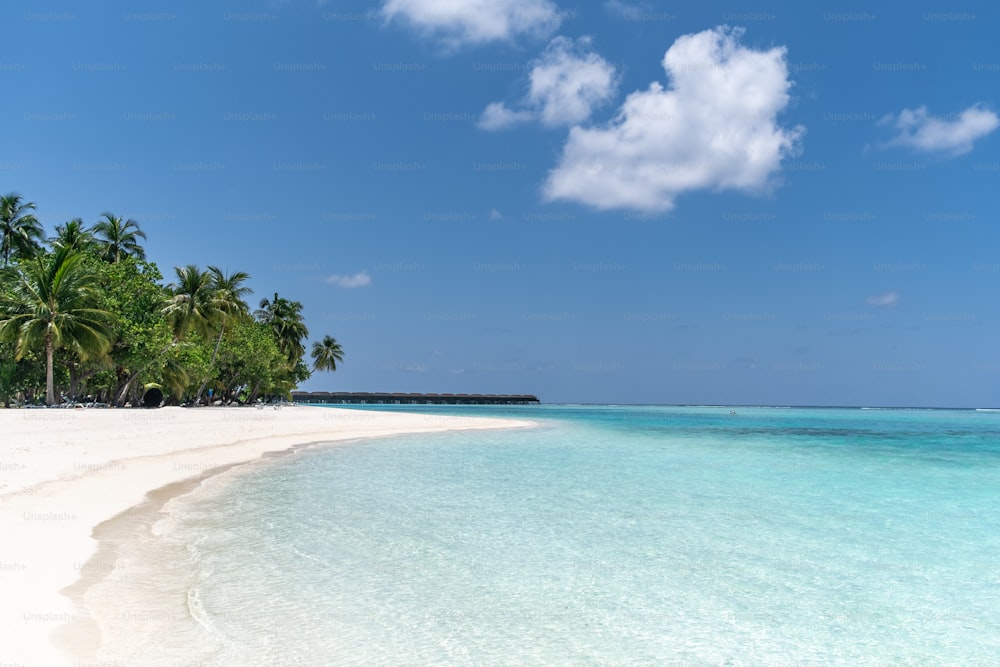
(369, 398)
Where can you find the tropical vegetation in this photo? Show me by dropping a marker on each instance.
(20, 231)
(84, 316)
(326, 353)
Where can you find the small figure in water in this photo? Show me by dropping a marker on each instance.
(732, 413)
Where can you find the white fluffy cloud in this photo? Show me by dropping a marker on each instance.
(460, 22)
(715, 127)
(569, 80)
(919, 130)
(360, 279)
(566, 83)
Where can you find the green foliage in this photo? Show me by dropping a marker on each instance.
(132, 292)
(24, 376)
(73, 234)
(285, 320)
(326, 354)
(192, 302)
(249, 361)
(229, 292)
(186, 363)
(119, 238)
(51, 303)
(20, 230)
(92, 317)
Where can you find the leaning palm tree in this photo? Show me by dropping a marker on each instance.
(20, 230)
(228, 292)
(73, 234)
(285, 319)
(192, 302)
(119, 238)
(326, 354)
(51, 302)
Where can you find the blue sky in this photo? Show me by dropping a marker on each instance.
(622, 201)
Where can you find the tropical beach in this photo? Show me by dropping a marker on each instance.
(439, 534)
(62, 473)
(499, 332)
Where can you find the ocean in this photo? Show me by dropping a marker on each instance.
(605, 535)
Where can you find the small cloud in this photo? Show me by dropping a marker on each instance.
(567, 82)
(360, 279)
(463, 22)
(923, 132)
(887, 300)
(622, 8)
(495, 214)
(497, 116)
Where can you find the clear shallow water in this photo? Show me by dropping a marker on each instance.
(607, 535)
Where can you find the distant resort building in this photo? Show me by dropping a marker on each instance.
(367, 398)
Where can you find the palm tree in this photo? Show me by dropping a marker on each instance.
(284, 317)
(52, 302)
(227, 296)
(230, 292)
(326, 354)
(20, 230)
(192, 302)
(119, 238)
(73, 234)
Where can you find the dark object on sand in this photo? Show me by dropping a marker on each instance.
(153, 398)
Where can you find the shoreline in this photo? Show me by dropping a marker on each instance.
(65, 473)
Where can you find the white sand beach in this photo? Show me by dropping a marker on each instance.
(63, 472)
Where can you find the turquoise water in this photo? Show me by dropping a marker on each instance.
(604, 536)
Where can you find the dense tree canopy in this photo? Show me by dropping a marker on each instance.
(51, 302)
(85, 317)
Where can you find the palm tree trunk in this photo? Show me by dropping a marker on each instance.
(123, 392)
(50, 390)
(137, 392)
(253, 393)
(218, 341)
(230, 385)
(76, 380)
